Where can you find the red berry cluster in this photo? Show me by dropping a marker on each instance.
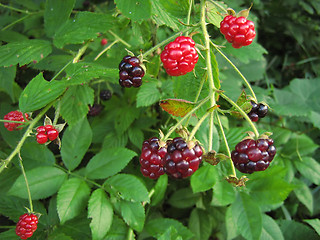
(151, 158)
(46, 132)
(253, 155)
(257, 111)
(177, 159)
(180, 56)
(14, 116)
(237, 30)
(131, 72)
(26, 225)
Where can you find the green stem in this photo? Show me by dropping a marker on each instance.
(130, 235)
(256, 133)
(120, 39)
(210, 138)
(7, 227)
(81, 52)
(106, 49)
(15, 22)
(185, 117)
(26, 180)
(24, 137)
(237, 70)
(64, 67)
(152, 191)
(226, 143)
(189, 13)
(2, 120)
(197, 126)
(151, 50)
(218, 5)
(15, 9)
(57, 113)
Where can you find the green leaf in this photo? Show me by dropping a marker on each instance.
(114, 140)
(74, 103)
(296, 230)
(200, 224)
(148, 94)
(309, 168)
(24, 52)
(136, 136)
(159, 190)
(77, 228)
(203, 179)
(270, 229)
(7, 178)
(231, 227)
(137, 10)
(223, 194)
(170, 234)
(246, 215)
(176, 107)
(39, 93)
(101, 212)
(299, 145)
(8, 235)
(315, 223)
(56, 13)
(72, 198)
(184, 198)
(203, 136)
(118, 230)
(212, 13)
(7, 76)
(126, 116)
(215, 70)
(53, 63)
(43, 182)
(12, 36)
(59, 236)
(90, 23)
(156, 227)
(304, 194)
(76, 141)
(133, 214)
(108, 162)
(122, 185)
(162, 17)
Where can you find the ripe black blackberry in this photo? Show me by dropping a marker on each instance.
(253, 155)
(151, 158)
(130, 72)
(105, 95)
(257, 111)
(95, 109)
(181, 160)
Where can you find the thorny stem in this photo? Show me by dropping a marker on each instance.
(26, 180)
(106, 49)
(256, 133)
(226, 143)
(237, 70)
(5, 162)
(120, 39)
(185, 117)
(212, 88)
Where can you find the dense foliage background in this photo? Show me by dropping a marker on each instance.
(92, 187)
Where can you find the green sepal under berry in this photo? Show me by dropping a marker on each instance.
(244, 102)
(214, 158)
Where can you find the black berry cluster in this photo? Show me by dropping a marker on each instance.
(258, 110)
(105, 95)
(181, 161)
(130, 72)
(253, 155)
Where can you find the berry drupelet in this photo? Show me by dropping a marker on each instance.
(130, 72)
(14, 116)
(253, 155)
(257, 111)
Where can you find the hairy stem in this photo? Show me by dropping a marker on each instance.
(119, 39)
(26, 181)
(106, 49)
(197, 126)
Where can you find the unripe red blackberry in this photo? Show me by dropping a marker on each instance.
(130, 72)
(180, 160)
(14, 116)
(237, 30)
(151, 158)
(180, 56)
(26, 225)
(253, 155)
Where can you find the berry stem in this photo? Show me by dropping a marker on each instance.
(237, 70)
(57, 113)
(62, 69)
(16, 9)
(81, 51)
(5, 162)
(227, 145)
(185, 117)
(256, 133)
(106, 49)
(26, 181)
(197, 126)
(189, 14)
(120, 39)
